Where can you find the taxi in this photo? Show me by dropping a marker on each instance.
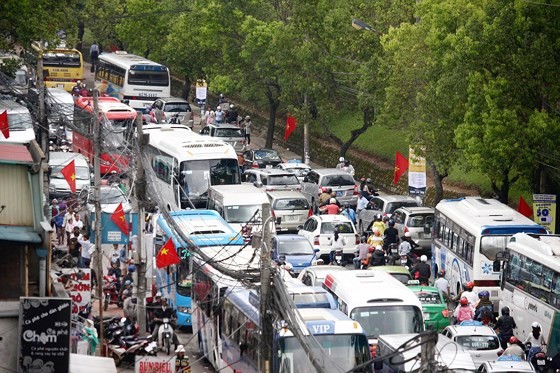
(434, 308)
(480, 340)
(506, 364)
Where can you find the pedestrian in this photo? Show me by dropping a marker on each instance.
(78, 253)
(422, 271)
(87, 250)
(69, 227)
(203, 115)
(349, 213)
(78, 222)
(182, 364)
(130, 308)
(210, 117)
(68, 214)
(362, 253)
(74, 251)
(504, 327)
(94, 53)
(362, 202)
(248, 127)
(219, 115)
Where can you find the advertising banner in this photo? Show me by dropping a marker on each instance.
(416, 174)
(201, 89)
(110, 232)
(44, 334)
(78, 282)
(544, 210)
(154, 364)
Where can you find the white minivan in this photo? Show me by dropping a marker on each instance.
(60, 111)
(20, 122)
(58, 186)
(240, 205)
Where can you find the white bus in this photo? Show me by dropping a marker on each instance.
(187, 164)
(132, 78)
(378, 301)
(468, 233)
(531, 285)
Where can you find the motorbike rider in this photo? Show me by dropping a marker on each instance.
(348, 167)
(340, 163)
(422, 271)
(371, 188)
(349, 212)
(330, 209)
(375, 238)
(163, 312)
(406, 246)
(468, 293)
(464, 311)
(391, 235)
(442, 284)
(130, 308)
(128, 277)
(325, 197)
(362, 252)
(515, 348)
(115, 270)
(231, 115)
(151, 308)
(378, 257)
(338, 242)
(504, 327)
(182, 364)
(362, 202)
(484, 309)
(536, 339)
(377, 222)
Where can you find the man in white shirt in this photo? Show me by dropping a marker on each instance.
(362, 203)
(87, 250)
(442, 284)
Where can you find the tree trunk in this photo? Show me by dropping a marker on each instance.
(502, 191)
(273, 104)
(438, 182)
(186, 88)
(354, 134)
(81, 31)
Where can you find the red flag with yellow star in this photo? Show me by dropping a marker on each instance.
(401, 165)
(119, 218)
(167, 255)
(69, 173)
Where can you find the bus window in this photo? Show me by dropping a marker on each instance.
(491, 245)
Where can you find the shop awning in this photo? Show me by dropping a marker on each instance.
(91, 364)
(19, 234)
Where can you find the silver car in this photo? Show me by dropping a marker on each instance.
(384, 205)
(291, 209)
(175, 106)
(271, 179)
(418, 221)
(341, 182)
(231, 134)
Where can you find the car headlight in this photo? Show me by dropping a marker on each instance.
(184, 309)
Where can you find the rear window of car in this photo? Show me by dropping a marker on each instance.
(338, 180)
(392, 206)
(428, 297)
(228, 132)
(344, 227)
(418, 221)
(281, 180)
(478, 342)
(266, 154)
(291, 204)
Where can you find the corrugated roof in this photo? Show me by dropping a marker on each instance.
(19, 234)
(14, 153)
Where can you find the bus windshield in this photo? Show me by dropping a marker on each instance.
(491, 245)
(152, 78)
(378, 320)
(184, 280)
(68, 59)
(242, 214)
(197, 176)
(345, 350)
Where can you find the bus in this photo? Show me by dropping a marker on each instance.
(531, 285)
(467, 234)
(229, 332)
(62, 67)
(187, 164)
(133, 79)
(117, 120)
(204, 228)
(378, 301)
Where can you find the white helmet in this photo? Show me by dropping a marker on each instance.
(423, 258)
(288, 266)
(231, 106)
(332, 201)
(536, 325)
(180, 348)
(341, 159)
(219, 107)
(407, 234)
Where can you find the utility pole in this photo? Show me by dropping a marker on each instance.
(427, 352)
(96, 198)
(306, 159)
(140, 199)
(266, 293)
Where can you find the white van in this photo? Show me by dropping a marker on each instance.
(20, 123)
(58, 186)
(60, 110)
(240, 205)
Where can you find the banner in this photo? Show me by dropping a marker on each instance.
(78, 282)
(416, 174)
(154, 364)
(110, 232)
(44, 335)
(201, 89)
(544, 210)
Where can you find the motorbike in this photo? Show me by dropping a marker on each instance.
(391, 254)
(110, 292)
(338, 258)
(126, 348)
(165, 335)
(111, 324)
(537, 358)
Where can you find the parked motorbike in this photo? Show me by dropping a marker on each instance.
(165, 335)
(126, 348)
(110, 292)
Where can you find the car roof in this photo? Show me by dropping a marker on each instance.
(261, 149)
(173, 99)
(294, 165)
(269, 171)
(285, 194)
(390, 269)
(330, 218)
(290, 237)
(330, 171)
(323, 268)
(421, 288)
(395, 197)
(417, 210)
(223, 126)
(482, 330)
(509, 366)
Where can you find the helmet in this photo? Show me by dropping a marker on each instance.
(126, 293)
(378, 217)
(484, 294)
(385, 219)
(363, 239)
(535, 325)
(127, 283)
(407, 234)
(363, 179)
(423, 258)
(441, 273)
(221, 95)
(78, 82)
(158, 294)
(513, 340)
(332, 201)
(341, 159)
(469, 285)
(464, 301)
(288, 266)
(231, 106)
(180, 348)
(391, 223)
(368, 180)
(114, 261)
(247, 117)
(505, 311)
(219, 107)
(131, 268)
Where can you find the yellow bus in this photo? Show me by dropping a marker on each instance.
(62, 67)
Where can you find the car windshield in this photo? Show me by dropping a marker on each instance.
(197, 176)
(177, 107)
(228, 132)
(291, 204)
(392, 206)
(341, 227)
(282, 180)
(242, 214)
(428, 297)
(403, 278)
(82, 173)
(338, 180)
(267, 154)
(112, 195)
(378, 320)
(19, 121)
(478, 342)
(299, 247)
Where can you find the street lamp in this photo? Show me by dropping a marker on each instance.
(358, 24)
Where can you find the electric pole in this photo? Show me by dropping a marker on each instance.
(306, 159)
(97, 202)
(266, 294)
(140, 258)
(427, 352)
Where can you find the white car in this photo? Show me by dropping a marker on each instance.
(319, 230)
(315, 274)
(480, 340)
(296, 167)
(506, 364)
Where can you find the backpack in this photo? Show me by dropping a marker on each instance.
(485, 313)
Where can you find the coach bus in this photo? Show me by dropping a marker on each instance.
(187, 164)
(116, 120)
(204, 228)
(62, 67)
(531, 285)
(134, 79)
(468, 233)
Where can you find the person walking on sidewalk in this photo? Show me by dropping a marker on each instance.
(94, 54)
(247, 127)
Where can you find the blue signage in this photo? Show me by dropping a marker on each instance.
(110, 233)
(320, 327)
